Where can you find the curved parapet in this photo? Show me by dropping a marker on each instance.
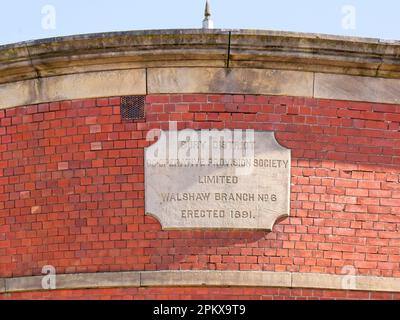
(221, 61)
(84, 197)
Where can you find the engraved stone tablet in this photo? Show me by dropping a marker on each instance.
(217, 180)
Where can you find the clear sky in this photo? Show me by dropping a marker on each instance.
(33, 19)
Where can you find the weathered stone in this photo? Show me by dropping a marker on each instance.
(206, 278)
(24, 284)
(345, 282)
(76, 86)
(219, 80)
(354, 88)
(378, 284)
(84, 66)
(17, 93)
(98, 280)
(216, 278)
(2, 285)
(187, 188)
(318, 281)
(238, 48)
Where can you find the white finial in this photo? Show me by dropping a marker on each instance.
(207, 22)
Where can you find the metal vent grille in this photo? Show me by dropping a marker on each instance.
(132, 107)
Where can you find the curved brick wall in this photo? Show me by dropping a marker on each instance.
(72, 188)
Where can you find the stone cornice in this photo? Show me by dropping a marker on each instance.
(199, 48)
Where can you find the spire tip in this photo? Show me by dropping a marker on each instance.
(207, 22)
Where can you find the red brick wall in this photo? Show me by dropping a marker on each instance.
(201, 294)
(72, 188)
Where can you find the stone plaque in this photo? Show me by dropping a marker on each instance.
(217, 179)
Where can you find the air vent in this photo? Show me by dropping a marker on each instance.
(132, 107)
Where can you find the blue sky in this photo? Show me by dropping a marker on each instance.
(32, 19)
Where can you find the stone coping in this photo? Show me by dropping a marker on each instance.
(199, 61)
(199, 48)
(205, 279)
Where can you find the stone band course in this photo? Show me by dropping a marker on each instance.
(203, 279)
(200, 80)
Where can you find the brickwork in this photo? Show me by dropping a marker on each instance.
(72, 190)
(202, 294)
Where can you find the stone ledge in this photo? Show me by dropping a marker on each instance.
(320, 281)
(377, 284)
(76, 281)
(103, 280)
(215, 279)
(23, 284)
(2, 285)
(204, 279)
